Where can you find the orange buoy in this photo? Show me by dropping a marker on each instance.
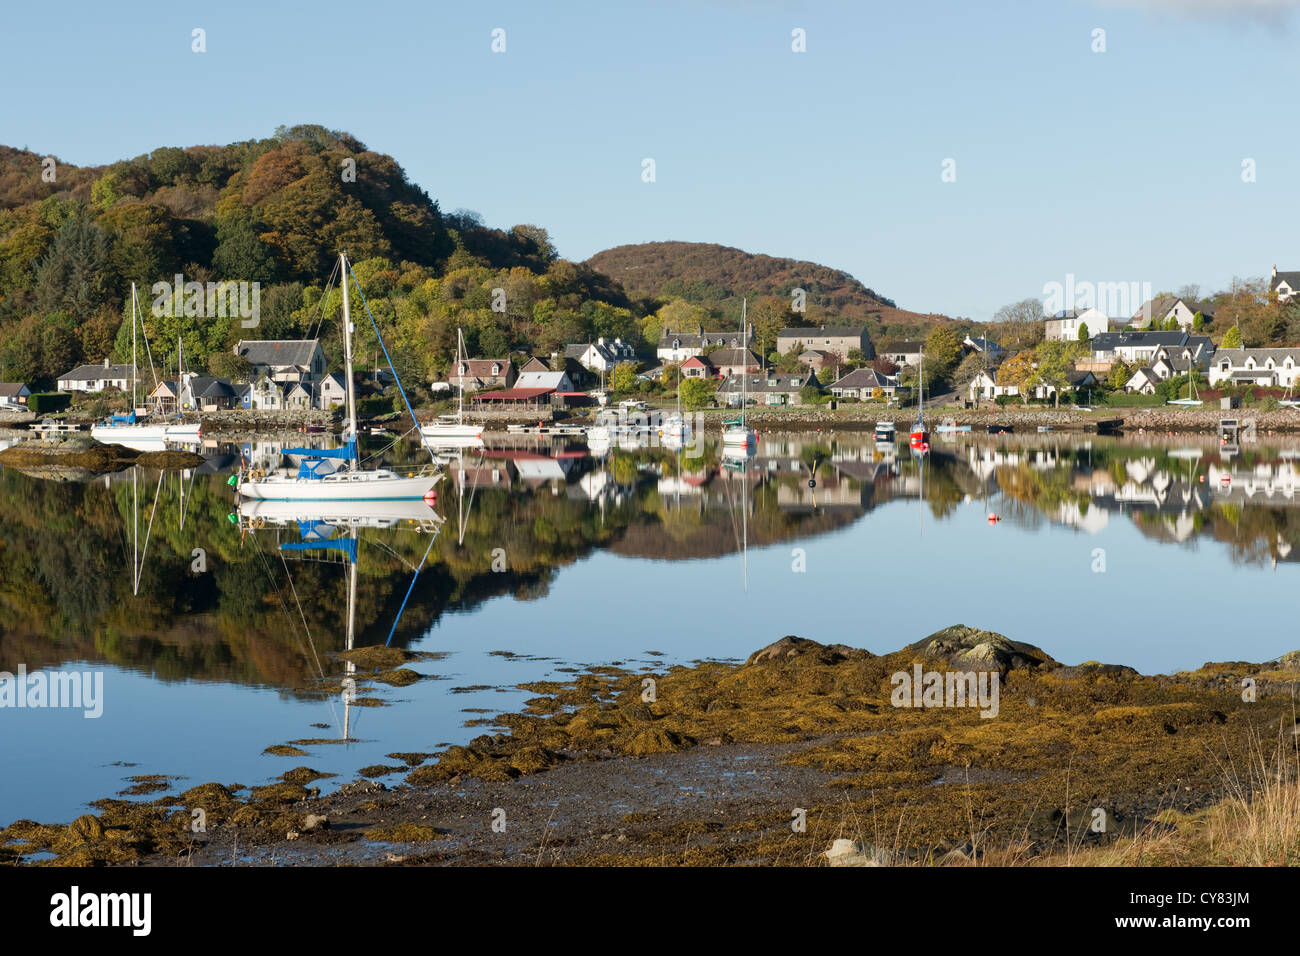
(994, 519)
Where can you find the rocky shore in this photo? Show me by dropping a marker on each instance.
(770, 761)
(79, 456)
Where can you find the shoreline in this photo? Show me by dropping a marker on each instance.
(720, 760)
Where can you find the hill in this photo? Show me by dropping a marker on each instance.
(716, 277)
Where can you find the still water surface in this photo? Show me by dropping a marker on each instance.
(1159, 554)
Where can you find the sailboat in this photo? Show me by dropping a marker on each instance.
(1191, 398)
(919, 438)
(676, 432)
(735, 433)
(349, 482)
(453, 427)
(125, 429)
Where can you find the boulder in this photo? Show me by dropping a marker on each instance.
(972, 649)
(790, 647)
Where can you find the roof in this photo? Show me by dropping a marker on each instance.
(543, 380)
(206, 386)
(510, 394)
(865, 378)
(1292, 279)
(1076, 377)
(983, 343)
(535, 364)
(479, 368)
(12, 388)
(701, 339)
(833, 331)
(90, 373)
(278, 351)
(769, 382)
(696, 360)
(732, 357)
(1109, 341)
(903, 346)
(1239, 356)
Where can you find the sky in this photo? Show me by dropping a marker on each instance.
(1164, 151)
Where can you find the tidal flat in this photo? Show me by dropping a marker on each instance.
(769, 761)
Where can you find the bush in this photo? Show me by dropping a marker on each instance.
(45, 402)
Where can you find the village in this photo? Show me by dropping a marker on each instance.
(1162, 354)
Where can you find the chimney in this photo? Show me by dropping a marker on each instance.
(105, 363)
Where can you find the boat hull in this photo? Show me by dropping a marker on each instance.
(343, 486)
(436, 431)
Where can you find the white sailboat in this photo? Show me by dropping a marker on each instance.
(349, 482)
(735, 433)
(125, 429)
(453, 427)
(676, 430)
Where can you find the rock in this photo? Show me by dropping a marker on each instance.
(851, 853)
(1094, 669)
(315, 821)
(790, 647)
(1290, 661)
(969, 648)
(87, 827)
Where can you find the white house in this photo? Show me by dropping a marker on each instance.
(1064, 326)
(331, 392)
(903, 352)
(556, 381)
(601, 356)
(985, 386)
(1284, 285)
(863, 384)
(1140, 347)
(297, 396)
(261, 395)
(96, 378)
(1270, 367)
(679, 346)
(984, 346)
(1143, 382)
(284, 360)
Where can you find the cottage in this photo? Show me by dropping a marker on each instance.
(903, 352)
(472, 375)
(770, 388)
(164, 398)
(983, 345)
(1267, 367)
(839, 339)
(205, 393)
(601, 356)
(331, 392)
(863, 383)
(260, 395)
(697, 367)
(1064, 326)
(96, 378)
(1143, 382)
(679, 346)
(1284, 285)
(1156, 313)
(1141, 347)
(536, 389)
(284, 360)
(15, 392)
(983, 386)
(296, 396)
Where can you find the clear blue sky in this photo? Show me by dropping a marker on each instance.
(1115, 166)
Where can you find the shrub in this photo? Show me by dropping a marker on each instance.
(44, 402)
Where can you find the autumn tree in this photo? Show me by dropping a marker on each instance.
(1019, 371)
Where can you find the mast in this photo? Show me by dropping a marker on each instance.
(347, 352)
(744, 378)
(351, 637)
(134, 374)
(460, 392)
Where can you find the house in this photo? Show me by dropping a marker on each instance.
(601, 356)
(1285, 285)
(296, 396)
(164, 397)
(536, 389)
(534, 365)
(679, 346)
(1143, 382)
(726, 362)
(331, 391)
(472, 375)
(96, 378)
(16, 392)
(983, 386)
(816, 359)
(1156, 313)
(205, 393)
(1133, 347)
(1169, 363)
(283, 360)
(1268, 367)
(863, 383)
(697, 367)
(260, 395)
(903, 352)
(770, 388)
(984, 346)
(840, 339)
(1064, 326)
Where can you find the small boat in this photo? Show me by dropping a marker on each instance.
(919, 439)
(735, 433)
(454, 426)
(949, 429)
(1044, 428)
(885, 432)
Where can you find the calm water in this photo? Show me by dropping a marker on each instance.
(1120, 550)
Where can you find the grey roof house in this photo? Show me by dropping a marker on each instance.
(284, 360)
(772, 388)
